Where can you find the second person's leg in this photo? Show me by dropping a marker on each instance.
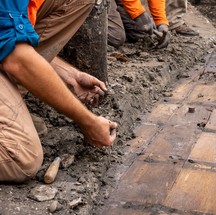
(57, 21)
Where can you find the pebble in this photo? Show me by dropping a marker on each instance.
(75, 202)
(43, 193)
(55, 206)
(167, 94)
(67, 160)
(81, 180)
(106, 194)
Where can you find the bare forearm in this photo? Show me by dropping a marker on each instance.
(63, 69)
(36, 74)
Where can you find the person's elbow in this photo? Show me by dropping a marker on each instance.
(14, 63)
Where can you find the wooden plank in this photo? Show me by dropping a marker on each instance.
(162, 113)
(194, 190)
(143, 133)
(146, 182)
(136, 146)
(113, 210)
(182, 116)
(160, 158)
(185, 86)
(205, 148)
(174, 141)
(181, 91)
(211, 125)
(203, 93)
(179, 114)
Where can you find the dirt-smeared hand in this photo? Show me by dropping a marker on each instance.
(88, 89)
(144, 23)
(136, 28)
(100, 134)
(165, 40)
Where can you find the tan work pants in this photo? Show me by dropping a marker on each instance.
(21, 153)
(175, 10)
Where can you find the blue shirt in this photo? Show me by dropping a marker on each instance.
(15, 26)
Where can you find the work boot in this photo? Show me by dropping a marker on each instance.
(185, 31)
(39, 125)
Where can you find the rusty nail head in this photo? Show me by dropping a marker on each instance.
(191, 109)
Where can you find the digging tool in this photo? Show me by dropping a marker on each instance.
(158, 33)
(163, 38)
(52, 171)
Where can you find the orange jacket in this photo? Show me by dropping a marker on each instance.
(33, 7)
(133, 7)
(156, 7)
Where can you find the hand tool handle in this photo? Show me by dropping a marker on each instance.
(158, 33)
(52, 171)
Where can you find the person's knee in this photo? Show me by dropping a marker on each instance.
(31, 167)
(116, 31)
(29, 163)
(19, 170)
(116, 39)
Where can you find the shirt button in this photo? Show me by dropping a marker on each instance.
(21, 26)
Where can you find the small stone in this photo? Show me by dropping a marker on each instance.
(55, 206)
(167, 94)
(42, 193)
(81, 180)
(67, 160)
(106, 194)
(75, 202)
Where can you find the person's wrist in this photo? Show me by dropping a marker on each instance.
(89, 120)
(141, 17)
(162, 27)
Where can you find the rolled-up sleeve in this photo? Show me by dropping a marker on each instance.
(15, 27)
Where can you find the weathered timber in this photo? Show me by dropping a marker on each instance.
(87, 49)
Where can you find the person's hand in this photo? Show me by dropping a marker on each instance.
(163, 28)
(88, 89)
(138, 28)
(101, 133)
(165, 40)
(144, 23)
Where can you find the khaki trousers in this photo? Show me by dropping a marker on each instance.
(175, 10)
(21, 153)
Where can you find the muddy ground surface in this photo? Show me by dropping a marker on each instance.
(139, 77)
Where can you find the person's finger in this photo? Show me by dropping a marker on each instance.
(113, 135)
(113, 125)
(96, 100)
(83, 97)
(162, 45)
(165, 41)
(98, 83)
(97, 96)
(99, 91)
(93, 144)
(89, 98)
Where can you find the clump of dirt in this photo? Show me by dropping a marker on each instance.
(138, 82)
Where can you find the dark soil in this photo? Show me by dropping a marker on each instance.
(145, 76)
(207, 8)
